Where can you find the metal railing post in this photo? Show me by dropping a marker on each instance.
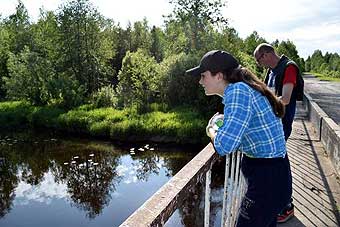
(224, 199)
(207, 198)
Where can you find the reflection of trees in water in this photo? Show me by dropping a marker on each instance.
(191, 210)
(90, 183)
(8, 183)
(34, 164)
(146, 165)
(89, 187)
(175, 164)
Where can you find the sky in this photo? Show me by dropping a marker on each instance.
(309, 24)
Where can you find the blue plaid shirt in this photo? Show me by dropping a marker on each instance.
(250, 124)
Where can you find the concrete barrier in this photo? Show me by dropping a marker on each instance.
(327, 130)
(330, 138)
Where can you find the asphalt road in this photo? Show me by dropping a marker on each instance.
(326, 94)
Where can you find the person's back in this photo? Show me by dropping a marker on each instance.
(286, 73)
(262, 123)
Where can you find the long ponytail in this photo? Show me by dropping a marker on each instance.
(242, 74)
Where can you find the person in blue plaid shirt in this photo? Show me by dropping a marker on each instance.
(252, 124)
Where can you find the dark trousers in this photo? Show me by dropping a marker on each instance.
(269, 190)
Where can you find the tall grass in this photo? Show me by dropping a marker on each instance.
(180, 125)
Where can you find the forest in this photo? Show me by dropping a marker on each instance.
(75, 69)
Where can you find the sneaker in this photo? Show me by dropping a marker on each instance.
(286, 214)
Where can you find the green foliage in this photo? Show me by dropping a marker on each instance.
(192, 19)
(29, 75)
(327, 65)
(14, 114)
(33, 78)
(84, 52)
(288, 48)
(157, 44)
(66, 91)
(181, 125)
(138, 80)
(176, 39)
(329, 76)
(44, 116)
(105, 97)
(46, 35)
(249, 62)
(15, 34)
(140, 36)
(18, 26)
(178, 88)
(252, 41)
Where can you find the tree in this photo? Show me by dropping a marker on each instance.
(82, 51)
(307, 64)
(252, 41)
(194, 16)
(157, 43)
(316, 60)
(334, 62)
(123, 44)
(18, 27)
(140, 36)
(138, 79)
(28, 77)
(176, 40)
(4, 53)
(15, 34)
(288, 48)
(46, 36)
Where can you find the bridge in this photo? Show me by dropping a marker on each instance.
(314, 151)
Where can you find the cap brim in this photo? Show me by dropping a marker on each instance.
(195, 71)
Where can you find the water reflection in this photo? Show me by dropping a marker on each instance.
(46, 180)
(89, 182)
(190, 211)
(8, 183)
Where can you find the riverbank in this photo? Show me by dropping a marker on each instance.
(180, 125)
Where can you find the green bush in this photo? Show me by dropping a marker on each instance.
(138, 80)
(105, 97)
(14, 114)
(182, 124)
(29, 75)
(45, 116)
(179, 89)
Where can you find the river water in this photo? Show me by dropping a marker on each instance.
(49, 180)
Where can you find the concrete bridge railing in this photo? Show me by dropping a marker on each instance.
(327, 130)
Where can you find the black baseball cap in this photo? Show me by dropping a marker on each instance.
(214, 61)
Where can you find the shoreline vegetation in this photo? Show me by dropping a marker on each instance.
(181, 125)
(323, 76)
(133, 76)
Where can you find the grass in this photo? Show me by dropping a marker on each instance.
(179, 125)
(323, 77)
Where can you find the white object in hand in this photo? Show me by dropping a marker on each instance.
(216, 121)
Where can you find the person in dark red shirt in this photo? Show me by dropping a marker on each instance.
(284, 79)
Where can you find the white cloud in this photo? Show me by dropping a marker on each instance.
(309, 24)
(134, 10)
(47, 190)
